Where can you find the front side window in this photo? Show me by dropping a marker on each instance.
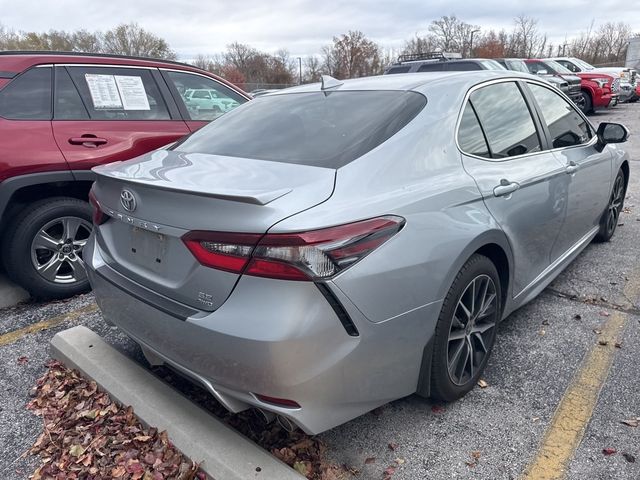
(566, 126)
(325, 129)
(28, 96)
(203, 97)
(568, 65)
(506, 120)
(111, 93)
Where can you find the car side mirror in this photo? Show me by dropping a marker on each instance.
(612, 133)
(542, 72)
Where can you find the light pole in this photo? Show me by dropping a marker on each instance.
(471, 43)
(300, 70)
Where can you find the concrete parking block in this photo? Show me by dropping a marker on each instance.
(10, 293)
(224, 453)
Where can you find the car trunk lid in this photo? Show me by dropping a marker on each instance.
(154, 200)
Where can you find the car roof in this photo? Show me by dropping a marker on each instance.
(420, 82)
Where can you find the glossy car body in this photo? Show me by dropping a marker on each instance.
(321, 352)
(598, 87)
(623, 84)
(53, 132)
(443, 65)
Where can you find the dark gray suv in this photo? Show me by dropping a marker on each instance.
(440, 62)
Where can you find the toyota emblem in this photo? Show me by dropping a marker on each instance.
(127, 200)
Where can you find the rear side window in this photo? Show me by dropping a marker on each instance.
(325, 129)
(506, 120)
(68, 105)
(119, 93)
(202, 97)
(463, 66)
(398, 70)
(566, 126)
(432, 67)
(470, 136)
(28, 96)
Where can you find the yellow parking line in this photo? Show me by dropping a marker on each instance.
(16, 335)
(564, 434)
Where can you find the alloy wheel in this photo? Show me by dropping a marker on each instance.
(472, 331)
(615, 204)
(56, 250)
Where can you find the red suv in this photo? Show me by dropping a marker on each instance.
(60, 115)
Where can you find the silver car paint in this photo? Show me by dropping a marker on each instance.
(281, 338)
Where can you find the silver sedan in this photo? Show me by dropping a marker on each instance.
(325, 249)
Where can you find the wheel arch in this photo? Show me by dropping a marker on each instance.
(495, 246)
(18, 192)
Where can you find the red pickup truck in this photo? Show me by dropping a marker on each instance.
(596, 90)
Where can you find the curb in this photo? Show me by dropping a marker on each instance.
(224, 453)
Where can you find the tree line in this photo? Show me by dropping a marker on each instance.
(348, 55)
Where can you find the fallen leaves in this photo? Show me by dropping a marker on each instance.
(393, 446)
(631, 422)
(577, 316)
(482, 383)
(629, 458)
(609, 451)
(22, 360)
(604, 313)
(87, 435)
(475, 458)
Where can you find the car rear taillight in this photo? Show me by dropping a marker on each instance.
(307, 256)
(98, 216)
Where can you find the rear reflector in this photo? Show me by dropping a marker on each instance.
(279, 402)
(308, 256)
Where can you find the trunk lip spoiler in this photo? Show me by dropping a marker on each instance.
(257, 198)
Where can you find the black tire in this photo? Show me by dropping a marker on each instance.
(587, 103)
(443, 385)
(20, 253)
(611, 215)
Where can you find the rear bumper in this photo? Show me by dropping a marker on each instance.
(276, 338)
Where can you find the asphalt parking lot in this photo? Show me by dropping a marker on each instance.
(550, 353)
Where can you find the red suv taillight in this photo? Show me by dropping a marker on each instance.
(98, 216)
(307, 256)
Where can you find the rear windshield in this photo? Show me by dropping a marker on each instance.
(325, 129)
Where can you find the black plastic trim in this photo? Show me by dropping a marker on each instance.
(6, 74)
(342, 314)
(9, 186)
(151, 298)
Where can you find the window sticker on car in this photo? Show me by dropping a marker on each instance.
(103, 90)
(132, 92)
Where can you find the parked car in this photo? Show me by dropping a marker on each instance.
(518, 65)
(596, 91)
(62, 114)
(624, 88)
(548, 68)
(205, 99)
(440, 62)
(325, 249)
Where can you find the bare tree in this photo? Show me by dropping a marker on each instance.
(132, 39)
(417, 44)
(312, 69)
(352, 55)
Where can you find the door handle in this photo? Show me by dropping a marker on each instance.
(572, 168)
(505, 188)
(90, 141)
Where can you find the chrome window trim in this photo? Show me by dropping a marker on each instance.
(593, 140)
(104, 65)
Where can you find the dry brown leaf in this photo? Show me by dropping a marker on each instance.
(482, 383)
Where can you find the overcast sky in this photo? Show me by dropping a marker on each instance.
(304, 26)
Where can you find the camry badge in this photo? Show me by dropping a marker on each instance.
(127, 200)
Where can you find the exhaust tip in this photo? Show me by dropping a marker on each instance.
(264, 416)
(287, 424)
